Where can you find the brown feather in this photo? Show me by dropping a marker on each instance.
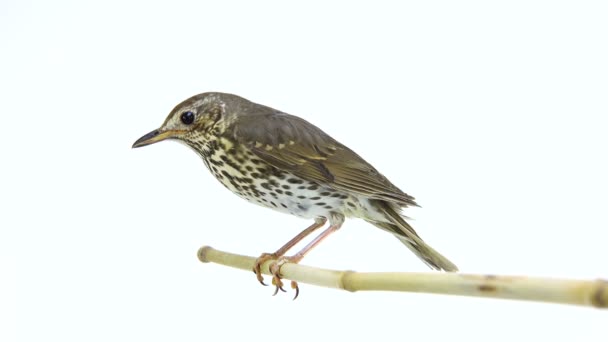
(408, 236)
(292, 144)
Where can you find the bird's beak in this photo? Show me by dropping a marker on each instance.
(154, 137)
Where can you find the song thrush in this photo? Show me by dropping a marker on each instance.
(285, 163)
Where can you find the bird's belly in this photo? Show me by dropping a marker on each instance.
(282, 191)
(305, 204)
(305, 200)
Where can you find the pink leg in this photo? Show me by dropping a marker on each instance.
(312, 244)
(275, 268)
(281, 251)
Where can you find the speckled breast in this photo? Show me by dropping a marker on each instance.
(239, 170)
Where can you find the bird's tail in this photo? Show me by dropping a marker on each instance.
(408, 236)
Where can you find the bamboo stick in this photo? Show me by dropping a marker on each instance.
(592, 293)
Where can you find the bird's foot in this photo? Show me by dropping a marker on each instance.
(275, 270)
(257, 266)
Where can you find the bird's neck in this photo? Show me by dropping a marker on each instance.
(213, 146)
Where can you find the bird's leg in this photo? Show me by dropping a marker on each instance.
(275, 267)
(319, 222)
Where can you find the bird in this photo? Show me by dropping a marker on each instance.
(282, 162)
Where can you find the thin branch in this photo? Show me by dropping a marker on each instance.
(575, 292)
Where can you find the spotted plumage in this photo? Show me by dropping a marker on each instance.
(282, 162)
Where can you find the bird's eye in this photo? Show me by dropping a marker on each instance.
(187, 118)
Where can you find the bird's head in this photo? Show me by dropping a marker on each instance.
(194, 120)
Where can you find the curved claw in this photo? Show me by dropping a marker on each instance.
(294, 285)
(276, 290)
(278, 285)
(275, 270)
(259, 276)
(257, 266)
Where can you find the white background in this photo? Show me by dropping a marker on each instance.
(492, 115)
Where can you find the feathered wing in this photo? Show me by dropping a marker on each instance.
(292, 144)
(295, 145)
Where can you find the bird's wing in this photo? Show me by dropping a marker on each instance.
(292, 144)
